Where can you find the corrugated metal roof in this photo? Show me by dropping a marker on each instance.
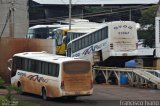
(96, 2)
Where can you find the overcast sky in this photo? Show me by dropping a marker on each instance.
(97, 1)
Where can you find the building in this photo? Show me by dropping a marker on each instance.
(47, 11)
(13, 18)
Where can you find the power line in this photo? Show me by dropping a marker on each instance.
(85, 15)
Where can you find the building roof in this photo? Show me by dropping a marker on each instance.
(96, 2)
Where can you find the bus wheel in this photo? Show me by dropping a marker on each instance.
(72, 98)
(44, 95)
(20, 88)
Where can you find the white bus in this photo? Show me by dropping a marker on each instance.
(43, 31)
(115, 39)
(51, 75)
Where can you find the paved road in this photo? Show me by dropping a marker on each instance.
(103, 95)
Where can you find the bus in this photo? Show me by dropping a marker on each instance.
(42, 31)
(61, 33)
(51, 75)
(64, 35)
(49, 32)
(117, 39)
(75, 33)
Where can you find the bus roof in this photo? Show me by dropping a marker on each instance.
(49, 26)
(102, 26)
(44, 56)
(77, 29)
(87, 30)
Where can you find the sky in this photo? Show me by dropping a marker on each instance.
(97, 1)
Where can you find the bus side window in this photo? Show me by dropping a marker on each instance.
(46, 68)
(26, 64)
(14, 67)
(69, 52)
(43, 68)
(23, 64)
(56, 70)
(31, 65)
(39, 67)
(53, 69)
(17, 64)
(50, 69)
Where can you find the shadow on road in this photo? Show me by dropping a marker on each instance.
(33, 97)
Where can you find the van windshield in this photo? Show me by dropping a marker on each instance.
(76, 67)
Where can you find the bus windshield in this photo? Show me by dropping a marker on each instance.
(77, 67)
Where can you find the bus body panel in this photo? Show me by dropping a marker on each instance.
(79, 83)
(123, 36)
(38, 77)
(33, 83)
(121, 40)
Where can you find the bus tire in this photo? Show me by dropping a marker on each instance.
(44, 94)
(72, 97)
(19, 85)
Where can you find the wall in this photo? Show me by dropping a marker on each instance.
(10, 46)
(18, 25)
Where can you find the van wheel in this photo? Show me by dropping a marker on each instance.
(44, 95)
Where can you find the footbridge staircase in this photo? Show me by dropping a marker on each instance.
(136, 76)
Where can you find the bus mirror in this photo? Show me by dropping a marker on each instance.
(10, 64)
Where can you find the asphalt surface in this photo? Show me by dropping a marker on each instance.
(104, 95)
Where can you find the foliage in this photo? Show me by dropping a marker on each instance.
(147, 21)
(20, 103)
(148, 36)
(148, 16)
(1, 82)
(9, 97)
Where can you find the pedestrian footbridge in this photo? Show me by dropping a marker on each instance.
(136, 76)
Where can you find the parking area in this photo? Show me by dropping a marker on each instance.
(103, 95)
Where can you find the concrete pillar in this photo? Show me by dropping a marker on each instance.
(157, 36)
(156, 63)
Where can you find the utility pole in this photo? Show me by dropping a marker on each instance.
(70, 13)
(11, 19)
(82, 12)
(130, 14)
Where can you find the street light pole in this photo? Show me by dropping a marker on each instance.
(70, 13)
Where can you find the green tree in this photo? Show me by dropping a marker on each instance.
(147, 21)
(9, 97)
(1, 83)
